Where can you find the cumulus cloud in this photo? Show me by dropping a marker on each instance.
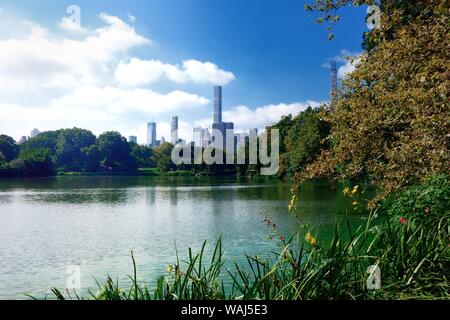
(38, 59)
(348, 67)
(120, 101)
(138, 72)
(245, 118)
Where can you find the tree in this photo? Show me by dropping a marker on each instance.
(390, 121)
(38, 163)
(115, 152)
(92, 158)
(305, 140)
(142, 155)
(69, 148)
(395, 15)
(8, 148)
(46, 140)
(162, 156)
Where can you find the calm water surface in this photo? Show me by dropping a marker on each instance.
(48, 224)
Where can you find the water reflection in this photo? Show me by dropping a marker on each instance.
(48, 223)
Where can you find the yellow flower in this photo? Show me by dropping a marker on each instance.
(346, 190)
(310, 239)
(355, 189)
(354, 203)
(169, 268)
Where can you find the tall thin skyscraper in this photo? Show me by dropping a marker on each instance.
(333, 80)
(34, 133)
(151, 134)
(174, 130)
(217, 104)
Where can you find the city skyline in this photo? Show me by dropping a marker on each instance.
(126, 62)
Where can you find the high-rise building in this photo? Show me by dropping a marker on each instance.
(217, 104)
(197, 136)
(218, 126)
(34, 133)
(174, 130)
(151, 134)
(132, 139)
(162, 141)
(23, 139)
(333, 80)
(253, 131)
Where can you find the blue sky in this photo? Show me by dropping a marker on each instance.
(269, 55)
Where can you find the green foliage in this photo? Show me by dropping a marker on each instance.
(390, 121)
(37, 162)
(8, 148)
(142, 155)
(162, 156)
(394, 15)
(70, 144)
(47, 140)
(302, 138)
(92, 158)
(115, 152)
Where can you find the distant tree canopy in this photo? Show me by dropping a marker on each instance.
(301, 140)
(75, 150)
(69, 148)
(8, 148)
(162, 157)
(390, 122)
(115, 152)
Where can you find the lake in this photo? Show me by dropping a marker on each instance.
(48, 224)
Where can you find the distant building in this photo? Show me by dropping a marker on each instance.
(217, 104)
(132, 139)
(34, 133)
(151, 134)
(174, 130)
(226, 129)
(197, 136)
(23, 139)
(162, 141)
(219, 127)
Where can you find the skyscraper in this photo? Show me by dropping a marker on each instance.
(151, 134)
(34, 133)
(197, 137)
(132, 139)
(174, 130)
(217, 104)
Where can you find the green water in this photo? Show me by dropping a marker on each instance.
(50, 223)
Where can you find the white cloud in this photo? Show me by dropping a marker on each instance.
(245, 118)
(137, 72)
(120, 101)
(37, 59)
(348, 67)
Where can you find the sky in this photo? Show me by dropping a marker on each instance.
(130, 62)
